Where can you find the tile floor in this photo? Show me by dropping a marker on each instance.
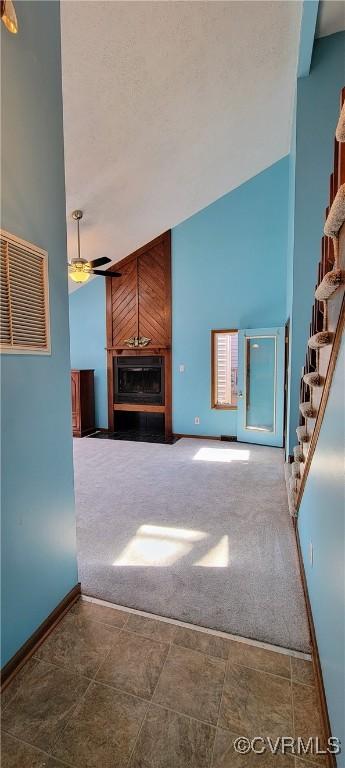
(111, 689)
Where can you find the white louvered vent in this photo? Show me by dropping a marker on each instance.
(24, 306)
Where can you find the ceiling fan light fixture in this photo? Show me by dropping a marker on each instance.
(79, 271)
(8, 16)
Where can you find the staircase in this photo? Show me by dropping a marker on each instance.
(326, 327)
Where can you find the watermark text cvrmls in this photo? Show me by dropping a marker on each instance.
(288, 745)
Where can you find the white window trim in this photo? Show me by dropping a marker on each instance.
(214, 404)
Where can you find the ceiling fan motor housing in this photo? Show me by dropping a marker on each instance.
(76, 215)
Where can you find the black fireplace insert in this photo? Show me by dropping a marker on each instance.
(139, 379)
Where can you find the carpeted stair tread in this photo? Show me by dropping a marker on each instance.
(330, 284)
(313, 379)
(320, 339)
(296, 469)
(336, 216)
(298, 453)
(303, 434)
(340, 129)
(307, 410)
(292, 504)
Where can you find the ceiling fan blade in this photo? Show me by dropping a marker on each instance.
(99, 262)
(106, 274)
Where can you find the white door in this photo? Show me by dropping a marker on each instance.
(261, 378)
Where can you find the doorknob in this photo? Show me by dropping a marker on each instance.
(240, 394)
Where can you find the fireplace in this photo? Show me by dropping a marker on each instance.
(139, 379)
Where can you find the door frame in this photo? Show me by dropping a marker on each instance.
(274, 438)
(286, 384)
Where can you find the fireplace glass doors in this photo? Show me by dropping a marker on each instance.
(139, 380)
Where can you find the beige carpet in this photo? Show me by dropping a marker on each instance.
(197, 531)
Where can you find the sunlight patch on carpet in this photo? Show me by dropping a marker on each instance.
(221, 454)
(155, 545)
(217, 556)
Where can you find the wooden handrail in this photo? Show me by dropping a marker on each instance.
(337, 178)
(324, 399)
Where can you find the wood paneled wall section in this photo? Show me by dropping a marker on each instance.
(154, 310)
(139, 304)
(124, 304)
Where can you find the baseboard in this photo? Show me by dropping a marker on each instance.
(94, 431)
(197, 437)
(30, 646)
(331, 760)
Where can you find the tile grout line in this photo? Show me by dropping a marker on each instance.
(186, 647)
(197, 628)
(170, 643)
(63, 668)
(74, 707)
(261, 671)
(149, 702)
(155, 703)
(68, 720)
(176, 711)
(39, 749)
(137, 736)
(80, 700)
(183, 714)
(8, 687)
(148, 707)
(219, 710)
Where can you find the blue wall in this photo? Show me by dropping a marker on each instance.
(317, 112)
(38, 524)
(228, 271)
(88, 339)
(321, 521)
(289, 272)
(307, 34)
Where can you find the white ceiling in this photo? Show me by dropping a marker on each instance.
(331, 17)
(168, 106)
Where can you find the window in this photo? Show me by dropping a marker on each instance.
(24, 316)
(224, 369)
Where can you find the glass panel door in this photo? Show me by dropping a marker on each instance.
(261, 386)
(260, 382)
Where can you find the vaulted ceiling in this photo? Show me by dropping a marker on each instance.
(168, 106)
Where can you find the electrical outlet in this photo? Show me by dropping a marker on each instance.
(197, 420)
(181, 368)
(311, 553)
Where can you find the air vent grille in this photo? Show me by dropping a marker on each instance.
(24, 297)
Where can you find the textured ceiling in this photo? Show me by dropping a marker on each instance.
(168, 106)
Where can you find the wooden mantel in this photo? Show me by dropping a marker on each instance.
(139, 304)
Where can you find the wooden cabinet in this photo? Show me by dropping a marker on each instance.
(139, 302)
(83, 402)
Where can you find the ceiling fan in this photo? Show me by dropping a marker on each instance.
(80, 270)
